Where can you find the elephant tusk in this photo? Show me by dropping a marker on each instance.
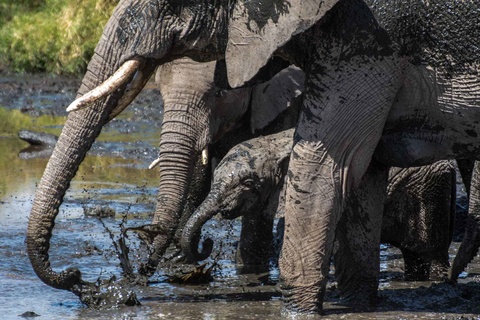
(137, 84)
(205, 156)
(120, 77)
(154, 163)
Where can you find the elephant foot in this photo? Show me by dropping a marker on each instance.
(439, 271)
(304, 300)
(416, 268)
(359, 294)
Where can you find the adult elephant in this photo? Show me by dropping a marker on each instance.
(357, 71)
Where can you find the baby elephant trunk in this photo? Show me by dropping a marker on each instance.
(192, 230)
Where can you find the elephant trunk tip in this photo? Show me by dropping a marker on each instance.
(207, 248)
(65, 280)
(192, 254)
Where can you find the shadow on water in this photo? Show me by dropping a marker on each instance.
(115, 177)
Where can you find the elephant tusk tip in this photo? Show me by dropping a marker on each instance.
(154, 163)
(205, 156)
(76, 105)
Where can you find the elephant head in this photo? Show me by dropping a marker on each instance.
(243, 183)
(140, 36)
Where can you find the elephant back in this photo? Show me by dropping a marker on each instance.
(440, 33)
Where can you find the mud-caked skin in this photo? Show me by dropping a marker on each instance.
(398, 79)
(249, 182)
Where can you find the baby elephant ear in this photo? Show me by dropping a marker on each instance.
(258, 27)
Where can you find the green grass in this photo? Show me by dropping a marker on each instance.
(12, 121)
(54, 36)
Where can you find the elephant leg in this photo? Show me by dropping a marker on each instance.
(197, 192)
(417, 268)
(465, 166)
(357, 258)
(345, 106)
(439, 268)
(471, 240)
(326, 164)
(255, 246)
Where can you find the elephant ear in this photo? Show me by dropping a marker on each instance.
(259, 27)
(271, 98)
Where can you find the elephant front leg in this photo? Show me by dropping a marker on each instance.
(336, 136)
(357, 258)
(255, 246)
(308, 235)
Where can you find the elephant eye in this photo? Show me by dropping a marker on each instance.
(249, 183)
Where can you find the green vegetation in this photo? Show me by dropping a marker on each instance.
(12, 121)
(94, 173)
(55, 36)
(18, 173)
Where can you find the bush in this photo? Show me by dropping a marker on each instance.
(55, 36)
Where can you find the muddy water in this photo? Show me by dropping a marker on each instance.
(115, 176)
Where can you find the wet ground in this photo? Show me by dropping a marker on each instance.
(115, 176)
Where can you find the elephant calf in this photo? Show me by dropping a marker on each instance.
(249, 182)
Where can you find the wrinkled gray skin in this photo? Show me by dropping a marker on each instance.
(432, 115)
(412, 75)
(249, 182)
(419, 218)
(219, 118)
(229, 116)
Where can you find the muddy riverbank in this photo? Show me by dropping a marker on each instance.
(115, 176)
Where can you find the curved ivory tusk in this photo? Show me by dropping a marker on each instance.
(120, 77)
(205, 156)
(137, 84)
(154, 163)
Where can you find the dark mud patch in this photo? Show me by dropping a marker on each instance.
(460, 299)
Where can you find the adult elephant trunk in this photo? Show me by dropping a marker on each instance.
(77, 136)
(192, 230)
(103, 87)
(185, 133)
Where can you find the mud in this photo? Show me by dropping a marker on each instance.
(113, 187)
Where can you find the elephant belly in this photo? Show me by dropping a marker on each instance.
(432, 118)
(400, 150)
